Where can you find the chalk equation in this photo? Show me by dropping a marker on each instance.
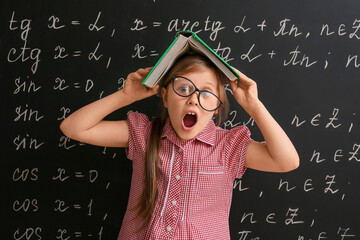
(58, 61)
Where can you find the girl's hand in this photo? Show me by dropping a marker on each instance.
(277, 154)
(133, 87)
(245, 92)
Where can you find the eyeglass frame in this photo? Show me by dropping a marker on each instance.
(196, 90)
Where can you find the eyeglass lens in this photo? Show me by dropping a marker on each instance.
(184, 87)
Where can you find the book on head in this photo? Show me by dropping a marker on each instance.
(184, 42)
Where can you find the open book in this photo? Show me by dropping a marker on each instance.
(184, 42)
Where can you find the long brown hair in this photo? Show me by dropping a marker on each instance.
(186, 64)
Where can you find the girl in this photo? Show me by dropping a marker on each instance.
(183, 164)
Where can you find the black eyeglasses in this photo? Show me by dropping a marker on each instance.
(184, 87)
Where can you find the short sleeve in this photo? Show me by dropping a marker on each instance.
(237, 142)
(139, 129)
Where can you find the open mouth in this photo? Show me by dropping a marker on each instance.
(189, 120)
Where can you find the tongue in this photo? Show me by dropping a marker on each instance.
(189, 120)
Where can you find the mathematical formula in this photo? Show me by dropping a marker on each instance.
(88, 57)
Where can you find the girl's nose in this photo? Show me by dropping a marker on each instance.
(193, 99)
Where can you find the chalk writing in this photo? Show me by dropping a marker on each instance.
(24, 54)
(284, 29)
(55, 61)
(330, 121)
(28, 233)
(25, 174)
(26, 205)
(341, 30)
(27, 114)
(338, 155)
(24, 26)
(94, 26)
(27, 142)
(24, 86)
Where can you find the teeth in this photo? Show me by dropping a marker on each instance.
(191, 113)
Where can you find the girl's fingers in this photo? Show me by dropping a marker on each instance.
(140, 74)
(234, 84)
(144, 71)
(243, 77)
(155, 89)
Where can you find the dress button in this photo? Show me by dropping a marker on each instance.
(180, 150)
(168, 228)
(173, 202)
(177, 177)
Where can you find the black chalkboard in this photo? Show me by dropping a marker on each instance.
(57, 56)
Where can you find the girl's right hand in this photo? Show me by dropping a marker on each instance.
(88, 125)
(133, 87)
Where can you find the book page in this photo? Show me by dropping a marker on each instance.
(200, 48)
(166, 61)
(185, 48)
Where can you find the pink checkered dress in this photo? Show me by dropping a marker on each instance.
(195, 187)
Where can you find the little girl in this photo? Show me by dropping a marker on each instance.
(183, 164)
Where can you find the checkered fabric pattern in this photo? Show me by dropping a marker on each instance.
(195, 187)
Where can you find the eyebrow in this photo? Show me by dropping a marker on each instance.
(205, 82)
(208, 83)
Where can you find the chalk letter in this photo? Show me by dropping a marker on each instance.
(293, 214)
(356, 149)
(251, 218)
(338, 154)
(308, 184)
(296, 121)
(317, 155)
(287, 185)
(329, 184)
(270, 217)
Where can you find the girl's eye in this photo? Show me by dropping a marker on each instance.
(206, 93)
(184, 89)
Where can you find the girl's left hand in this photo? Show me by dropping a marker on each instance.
(245, 92)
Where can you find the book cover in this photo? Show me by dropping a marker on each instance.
(184, 42)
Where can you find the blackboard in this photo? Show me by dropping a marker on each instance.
(57, 56)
